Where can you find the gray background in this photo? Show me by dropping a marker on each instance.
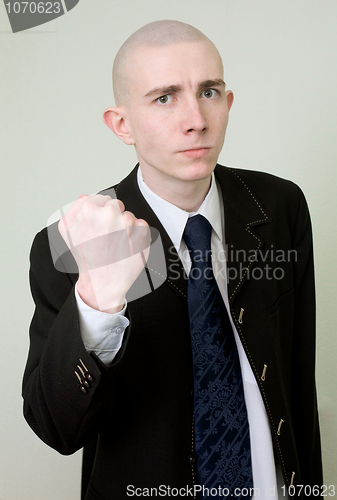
(280, 61)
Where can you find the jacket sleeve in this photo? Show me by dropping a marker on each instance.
(61, 414)
(303, 397)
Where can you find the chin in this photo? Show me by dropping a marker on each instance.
(199, 170)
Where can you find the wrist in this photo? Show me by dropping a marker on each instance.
(99, 297)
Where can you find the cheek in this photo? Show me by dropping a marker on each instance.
(221, 124)
(155, 131)
(222, 117)
(147, 124)
(217, 117)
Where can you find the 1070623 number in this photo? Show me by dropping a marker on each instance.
(33, 7)
(308, 491)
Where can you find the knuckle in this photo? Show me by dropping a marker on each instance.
(116, 204)
(89, 206)
(105, 198)
(129, 219)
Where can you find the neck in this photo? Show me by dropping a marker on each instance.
(186, 195)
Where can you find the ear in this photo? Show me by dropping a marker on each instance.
(114, 118)
(230, 98)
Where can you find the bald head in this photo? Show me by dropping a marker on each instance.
(155, 34)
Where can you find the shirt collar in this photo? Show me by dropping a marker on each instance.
(174, 219)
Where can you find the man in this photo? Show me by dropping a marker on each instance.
(136, 361)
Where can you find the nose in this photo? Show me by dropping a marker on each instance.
(193, 117)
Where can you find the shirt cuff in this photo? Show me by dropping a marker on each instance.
(102, 333)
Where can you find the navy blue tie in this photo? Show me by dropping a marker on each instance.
(222, 441)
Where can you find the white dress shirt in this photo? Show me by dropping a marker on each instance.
(103, 333)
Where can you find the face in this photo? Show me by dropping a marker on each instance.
(177, 111)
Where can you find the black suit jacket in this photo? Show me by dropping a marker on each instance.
(141, 407)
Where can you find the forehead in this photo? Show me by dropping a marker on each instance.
(184, 64)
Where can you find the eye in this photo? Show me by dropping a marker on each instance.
(210, 93)
(164, 99)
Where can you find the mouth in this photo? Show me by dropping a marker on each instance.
(195, 152)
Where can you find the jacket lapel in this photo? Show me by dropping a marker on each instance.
(242, 213)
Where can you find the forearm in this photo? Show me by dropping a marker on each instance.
(54, 406)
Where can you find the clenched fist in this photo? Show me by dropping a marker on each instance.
(110, 246)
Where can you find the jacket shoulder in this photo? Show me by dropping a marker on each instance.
(275, 194)
(265, 182)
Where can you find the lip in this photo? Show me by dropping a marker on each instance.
(195, 152)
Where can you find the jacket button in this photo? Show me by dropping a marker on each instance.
(86, 383)
(191, 459)
(82, 388)
(89, 376)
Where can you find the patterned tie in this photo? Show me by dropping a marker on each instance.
(222, 441)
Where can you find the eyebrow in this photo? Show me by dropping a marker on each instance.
(174, 89)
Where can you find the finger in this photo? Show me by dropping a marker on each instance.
(117, 204)
(141, 222)
(68, 218)
(71, 213)
(99, 200)
(139, 236)
(92, 207)
(129, 219)
(111, 215)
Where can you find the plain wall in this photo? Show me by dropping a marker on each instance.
(280, 61)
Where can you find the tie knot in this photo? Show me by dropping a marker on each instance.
(197, 235)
